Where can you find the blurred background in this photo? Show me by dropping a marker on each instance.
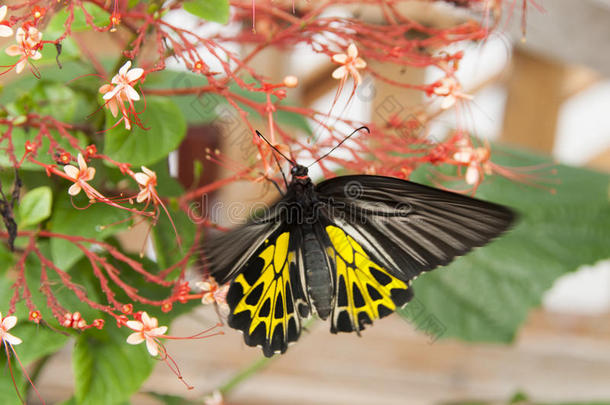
(549, 93)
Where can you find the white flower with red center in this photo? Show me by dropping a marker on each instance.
(5, 30)
(450, 89)
(121, 90)
(124, 82)
(350, 64)
(477, 160)
(147, 180)
(5, 325)
(80, 175)
(147, 331)
(212, 292)
(28, 45)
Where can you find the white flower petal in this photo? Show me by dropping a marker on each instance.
(158, 331)
(148, 171)
(143, 195)
(112, 93)
(81, 162)
(463, 156)
(340, 72)
(20, 65)
(340, 58)
(9, 322)
(14, 340)
(74, 189)
(472, 174)
(3, 10)
(5, 31)
(142, 178)
(134, 325)
(13, 50)
(131, 93)
(352, 51)
(359, 63)
(71, 171)
(135, 338)
(123, 70)
(151, 345)
(448, 102)
(148, 321)
(90, 174)
(134, 74)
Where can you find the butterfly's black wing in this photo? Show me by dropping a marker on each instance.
(396, 229)
(266, 296)
(363, 289)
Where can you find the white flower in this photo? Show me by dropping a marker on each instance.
(147, 181)
(5, 324)
(146, 331)
(450, 89)
(5, 30)
(124, 82)
(472, 173)
(28, 43)
(79, 175)
(350, 64)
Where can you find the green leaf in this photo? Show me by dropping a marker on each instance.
(167, 128)
(98, 221)
(108, 370)
(101, 18)
(38, 341)
(197, 109)
(35, 206)
(211, 10)
(486, 295)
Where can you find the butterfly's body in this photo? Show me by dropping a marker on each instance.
(344, 254)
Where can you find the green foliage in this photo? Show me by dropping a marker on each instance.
(97, 221)
(485, 295)
(101, 18)
(35, 206)
(165, 129)
(106, 369)
(211, 10)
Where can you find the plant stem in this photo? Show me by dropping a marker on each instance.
(244, 374)
(36, 373)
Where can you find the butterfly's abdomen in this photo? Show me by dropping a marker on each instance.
(317, 274)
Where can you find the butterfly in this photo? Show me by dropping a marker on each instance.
(346, 248)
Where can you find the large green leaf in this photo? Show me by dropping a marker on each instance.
(108, 370)
(97, 221)
(166, 129)
(486, 295)
(35, 206)
(211, 10)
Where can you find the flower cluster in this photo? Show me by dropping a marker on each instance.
(121, 91)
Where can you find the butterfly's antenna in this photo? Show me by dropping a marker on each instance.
(276, 149)
(340, 143)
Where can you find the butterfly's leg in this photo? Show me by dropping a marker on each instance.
(277, 186)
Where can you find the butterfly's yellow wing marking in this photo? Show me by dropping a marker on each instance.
(262, 298)
(364, 290)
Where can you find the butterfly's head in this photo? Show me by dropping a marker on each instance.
(299, 172)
